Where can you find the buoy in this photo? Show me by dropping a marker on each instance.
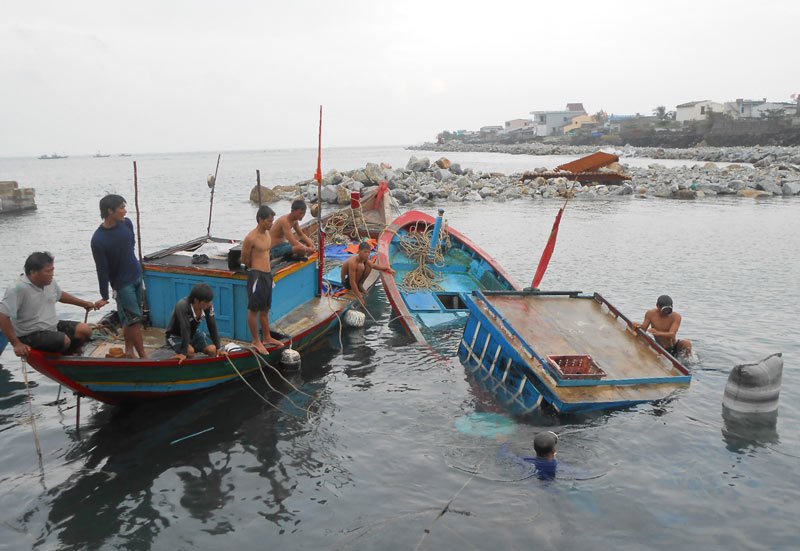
(354, 318)
(290, 358)
(754, 388)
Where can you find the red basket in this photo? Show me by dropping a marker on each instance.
(580, 366)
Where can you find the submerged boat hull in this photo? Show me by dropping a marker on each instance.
(512, 344)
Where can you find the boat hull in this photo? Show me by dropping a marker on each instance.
(467, 267)
(512, 341)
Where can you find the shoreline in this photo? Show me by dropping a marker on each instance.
(421, 182)
(766, 155)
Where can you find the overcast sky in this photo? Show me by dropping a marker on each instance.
(78, 77)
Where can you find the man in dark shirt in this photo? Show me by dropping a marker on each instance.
(183, 335)
(544, 465)
(112, 248)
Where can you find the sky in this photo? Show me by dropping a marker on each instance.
(136, 77)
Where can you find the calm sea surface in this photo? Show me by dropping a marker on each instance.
(397, 430)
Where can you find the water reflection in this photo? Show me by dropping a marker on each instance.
(741, 431)
(130, 470)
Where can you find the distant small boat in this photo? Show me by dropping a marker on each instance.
(124, 155)
(99, 156)
(53, 156)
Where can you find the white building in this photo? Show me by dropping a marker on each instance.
(551, 122)
(697, 110)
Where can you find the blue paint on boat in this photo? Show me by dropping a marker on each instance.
(3, 342)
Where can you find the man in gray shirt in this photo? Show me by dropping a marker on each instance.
(28, 311)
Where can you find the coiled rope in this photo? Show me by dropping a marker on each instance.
(417, 246)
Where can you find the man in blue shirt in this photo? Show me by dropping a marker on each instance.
(544, 465)
(112, 248)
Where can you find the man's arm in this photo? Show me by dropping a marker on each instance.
(287, 227)
(101, 264)
(247, 250)
(645, 324)
(20, 348)
(381, 267)
(66, 298)
(304, 239)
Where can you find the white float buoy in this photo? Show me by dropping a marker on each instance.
(354, 318)
(232, 347)
(290, 358)
(754, 388)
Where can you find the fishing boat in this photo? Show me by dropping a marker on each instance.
(436, 268)
(576, 352)
(53, 156)
(304, 308)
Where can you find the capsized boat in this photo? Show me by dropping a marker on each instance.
(436, 268)
(576, 352)
(300, 314)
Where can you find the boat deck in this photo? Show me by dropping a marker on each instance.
(561, 325)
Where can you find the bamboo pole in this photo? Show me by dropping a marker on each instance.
(213, 187)
(258, 186)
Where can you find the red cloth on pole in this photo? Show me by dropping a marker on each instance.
(548, 252)
(383, 189)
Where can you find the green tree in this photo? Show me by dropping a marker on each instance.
(660, 112)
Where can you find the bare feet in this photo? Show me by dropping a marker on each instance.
(273, 342)
(259, 347)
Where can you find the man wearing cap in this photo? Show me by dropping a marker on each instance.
(663, 323)
(544, 464)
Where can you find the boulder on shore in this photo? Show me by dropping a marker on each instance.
(267, 195)
(444, 162)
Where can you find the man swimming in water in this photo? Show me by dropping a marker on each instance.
(357, 268)
(284, 241)
(663, 323)
(544, 464)
(255, 255)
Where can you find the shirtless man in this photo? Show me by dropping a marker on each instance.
(255, 255)
(284, 241)
(357, 268)
(663, 323)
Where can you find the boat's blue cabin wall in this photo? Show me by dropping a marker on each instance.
(164, 289)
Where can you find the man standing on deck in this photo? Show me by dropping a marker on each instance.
(663, 323)
(112, 248)
(255, 255)
(356, 269)
(284, 241)
(28, 311)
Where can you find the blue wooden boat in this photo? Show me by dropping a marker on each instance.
(462, 268)
(575, 352)
(300, 315)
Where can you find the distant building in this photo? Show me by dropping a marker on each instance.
(552, 122)
(579, 122)
(488, 132)
(697, 110)
(517, 123)
(576, 107)
(742, 108)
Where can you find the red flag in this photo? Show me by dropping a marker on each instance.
(383, 189)
(548, 251)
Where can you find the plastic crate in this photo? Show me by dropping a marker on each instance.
(580, 366)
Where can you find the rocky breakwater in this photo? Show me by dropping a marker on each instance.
(16, 199)
(755, 154)
(423, 182)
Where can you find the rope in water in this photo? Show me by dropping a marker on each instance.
(417, 246)
(32, 418)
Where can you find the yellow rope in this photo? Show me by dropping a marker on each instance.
(417, 246)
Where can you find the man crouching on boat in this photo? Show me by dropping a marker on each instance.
(28, 311)
(663, 323)
(283, 241)
(255, 255)
(183, 335)
(357, 268)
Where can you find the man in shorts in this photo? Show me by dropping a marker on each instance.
(283, 241)
(112, 249)
(28, 311)
(183, 335)
(663, 323)
(356, 269)
(255, 255)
